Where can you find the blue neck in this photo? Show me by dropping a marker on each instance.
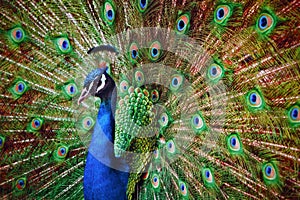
(105, 177)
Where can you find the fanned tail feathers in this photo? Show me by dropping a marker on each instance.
(208, 96)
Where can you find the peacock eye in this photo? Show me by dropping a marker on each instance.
(154, 96)
(20, 87)
(134, 52)
(234, 144)
(21, 183)
(269, 172)
(222, 13)
(254, 99)
(164, 120)
(155, 181)
(36, 124)
(87, 123)
(182, 24)
(109, 13)
(63, 45)
(139, 77)
(17, 35)
(207, 174)
(265, 22)
(171, 147)
(197, 123)
(176, 82)
(155, 51)
(183, 188)
(142, 5)
(156, 154)
(215, 72)
(295, 114)
(71, 89)
(207, 177)
(124, 85)
(2, 141)
(62, 151)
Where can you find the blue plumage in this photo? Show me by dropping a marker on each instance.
(100, 180)
(105, 176)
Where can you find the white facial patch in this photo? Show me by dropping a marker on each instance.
(103, 79)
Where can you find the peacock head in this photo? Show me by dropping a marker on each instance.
(99, 84)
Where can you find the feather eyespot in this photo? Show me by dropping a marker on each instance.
(63, 45)
(197, 123)
(109, 13)
(176, 82)
(164, 120)
(139, 77)
(183, 188)
(265, 23)
(124, 85)
(17, 35)
(71, 89)
(156, 154)
(270, 173)
(2, 141)
(155, 51)
(234, 143)
(20, 87)
(36, 124)
(133, 52)
(87, 123)
(255, 100)
(207, 177)
(155, 181)
(154, 96)
(215, 72)
(295, 114)
(222, 13)
(21, 183)
(142, 5)
(171, 146)
(182, 24)
(62, 151)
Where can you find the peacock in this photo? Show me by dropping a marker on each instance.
(150, 99)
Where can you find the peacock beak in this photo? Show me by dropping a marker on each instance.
(88, 90)
(84, 94)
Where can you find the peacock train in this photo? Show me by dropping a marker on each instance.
(149, 99)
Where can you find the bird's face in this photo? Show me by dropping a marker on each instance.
(97, 83)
